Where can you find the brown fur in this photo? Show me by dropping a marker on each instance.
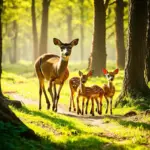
(54, 69)
(93, 92)
(109, 89)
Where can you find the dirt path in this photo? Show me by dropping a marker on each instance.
(63, 109)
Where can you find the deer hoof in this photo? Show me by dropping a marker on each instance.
(93, 115)
(99, 113)
(82, 113)
(74, 109)
(69, 109)
(85, 112)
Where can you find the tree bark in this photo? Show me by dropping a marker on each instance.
(98, 54)
(44, 27)
(134, 84)
(15, 30)
(34, 32)
(82, 28)
(69, 23)
(147, 63)
(119, 25)
(1, 4)
(6, 115)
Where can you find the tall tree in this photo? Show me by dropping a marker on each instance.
(98, 54)
(82, 28)
(34, 31)
(134, 83)
(147, 64)
(1, 6)
(44, 27)
(119, 25)
(15, 30)
(69, 22)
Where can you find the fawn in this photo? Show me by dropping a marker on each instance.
(74, 83)
(87, 92)
(54, 69)
(109, 89)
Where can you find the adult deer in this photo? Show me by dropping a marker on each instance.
(109, 89)
(94, 92)
(54, 69)
(74, 83)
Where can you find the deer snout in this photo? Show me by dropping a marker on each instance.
(67, 53)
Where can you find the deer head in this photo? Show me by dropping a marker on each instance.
(84, 77)
(65, 48)
(110, 75)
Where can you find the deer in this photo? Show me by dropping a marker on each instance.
(54, 69)
(74, 83)
(94, 92)
(109, 89)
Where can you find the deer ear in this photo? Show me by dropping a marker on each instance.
(80, 73)
(74, 42)
(56, 41)
(116, 71)
(90, 73)
(104, 71)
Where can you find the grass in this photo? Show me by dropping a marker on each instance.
(59, 131)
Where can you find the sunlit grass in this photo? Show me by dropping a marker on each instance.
(63, 132)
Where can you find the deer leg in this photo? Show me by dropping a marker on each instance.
(111, 106)
(98, 110)
(47, 100)
(40, 95)
(71, 99)
(51, 93)
(57, 97)
(87, 103)
(101, 105)
(74, 107)
(41, 86)
(107, 104)
(78, 107)
(83, 106)
(92, 107)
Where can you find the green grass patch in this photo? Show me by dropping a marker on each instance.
(59, 131)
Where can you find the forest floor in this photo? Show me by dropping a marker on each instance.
(105, 122)
(66, 130)
(63, 109)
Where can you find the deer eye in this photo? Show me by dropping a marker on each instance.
(108, 75)
(62, 47)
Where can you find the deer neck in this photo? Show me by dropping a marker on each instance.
(61, 66)
(110, 84)
(82, 87)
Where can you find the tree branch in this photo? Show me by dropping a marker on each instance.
(110, 25)
(112, 3)
(110, 35)
(106, 4)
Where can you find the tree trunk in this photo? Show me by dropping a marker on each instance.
(6, 115)
(134, 84)
(69, 23)
(82, 28)
(147, 64)
(1, 4)
(98, 54)
(44, 27)
(120, 47)
(34, 32)
(15, 30)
